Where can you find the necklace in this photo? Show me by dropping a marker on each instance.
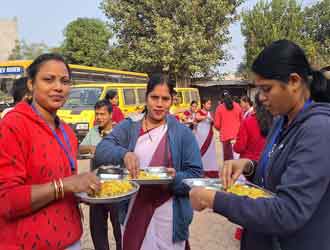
(146, 126)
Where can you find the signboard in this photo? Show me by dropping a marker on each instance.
(11, 70)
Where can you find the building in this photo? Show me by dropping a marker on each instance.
(214, 88)
(8, 37)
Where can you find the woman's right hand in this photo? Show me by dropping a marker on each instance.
(231, 170)
(132, 164)
(85, 182)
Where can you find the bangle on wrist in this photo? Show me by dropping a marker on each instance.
(250, 170)
(61, 188)
(55, 189)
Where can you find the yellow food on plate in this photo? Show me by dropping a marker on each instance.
(114, 188)
(146, 176)
(245, 190)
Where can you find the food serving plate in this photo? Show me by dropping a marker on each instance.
(208, 183)
(84, 197)
(159, 176)
(242, 188)
(85, 156)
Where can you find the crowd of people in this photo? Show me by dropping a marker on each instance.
(277, 141)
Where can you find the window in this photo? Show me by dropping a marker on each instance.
(141, 95)
(194, 96)
(186, 96)
(129, 97)
(83, 96)
(179, 97)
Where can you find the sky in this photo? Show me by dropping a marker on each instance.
(44, 21)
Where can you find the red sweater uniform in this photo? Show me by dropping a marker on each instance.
(30, 155)
(228, 121)
(117, 115)
(250, 142)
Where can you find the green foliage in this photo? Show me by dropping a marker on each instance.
(87, 42)
(317, 28)
(181, 37)
(268, 21)
(25, 51)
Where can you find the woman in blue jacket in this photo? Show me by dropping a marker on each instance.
(159, 216)
(295, 164)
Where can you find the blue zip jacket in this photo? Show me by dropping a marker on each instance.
(298, 171)
(186, 159)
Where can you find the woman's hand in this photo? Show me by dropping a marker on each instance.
(231, 170)
(171, 172)
(85, 182)
(132, 164)
(201, 198)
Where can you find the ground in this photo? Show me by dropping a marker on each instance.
(208, 231)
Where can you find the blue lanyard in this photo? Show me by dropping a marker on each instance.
(65, 136)
(270, 147)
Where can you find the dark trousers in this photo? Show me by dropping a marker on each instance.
(98, 220)
(227, 150)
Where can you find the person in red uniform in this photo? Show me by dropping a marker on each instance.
(228, 116)
(38, 169)
(117, 114)
(252, 135)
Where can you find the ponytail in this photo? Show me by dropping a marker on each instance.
(319, 87)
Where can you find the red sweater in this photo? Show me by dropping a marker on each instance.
(250, 142)
(117, 115)
(30, 155)
(228, 121)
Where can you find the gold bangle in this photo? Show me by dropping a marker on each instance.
(55, 189)
(61, 188)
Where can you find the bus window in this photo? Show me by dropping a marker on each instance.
(195, 96)
(179, 97)
(129, 96)
(186, 96)
(83, 97)
(141, 95)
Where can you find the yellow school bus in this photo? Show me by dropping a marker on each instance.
(78, 111)
(13, 69)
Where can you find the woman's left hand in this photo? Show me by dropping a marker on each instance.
(171, 172)
(201, 198)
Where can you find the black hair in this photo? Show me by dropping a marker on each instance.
(19, 89)
(35, 66)
(159, 79)
(247, 99)
(193, 102)
(264, 117)
(205, 100)
(111, 94)
(282, 58)
(103, 103)
(228, 101)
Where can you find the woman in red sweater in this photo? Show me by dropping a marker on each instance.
(252, 135)
(38, 166)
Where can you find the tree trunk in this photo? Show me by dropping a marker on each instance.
(182, 81)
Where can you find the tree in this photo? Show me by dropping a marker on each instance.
(180, 37)
(26, 51)
(317, 28)
(87, 42)
(274, 20)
